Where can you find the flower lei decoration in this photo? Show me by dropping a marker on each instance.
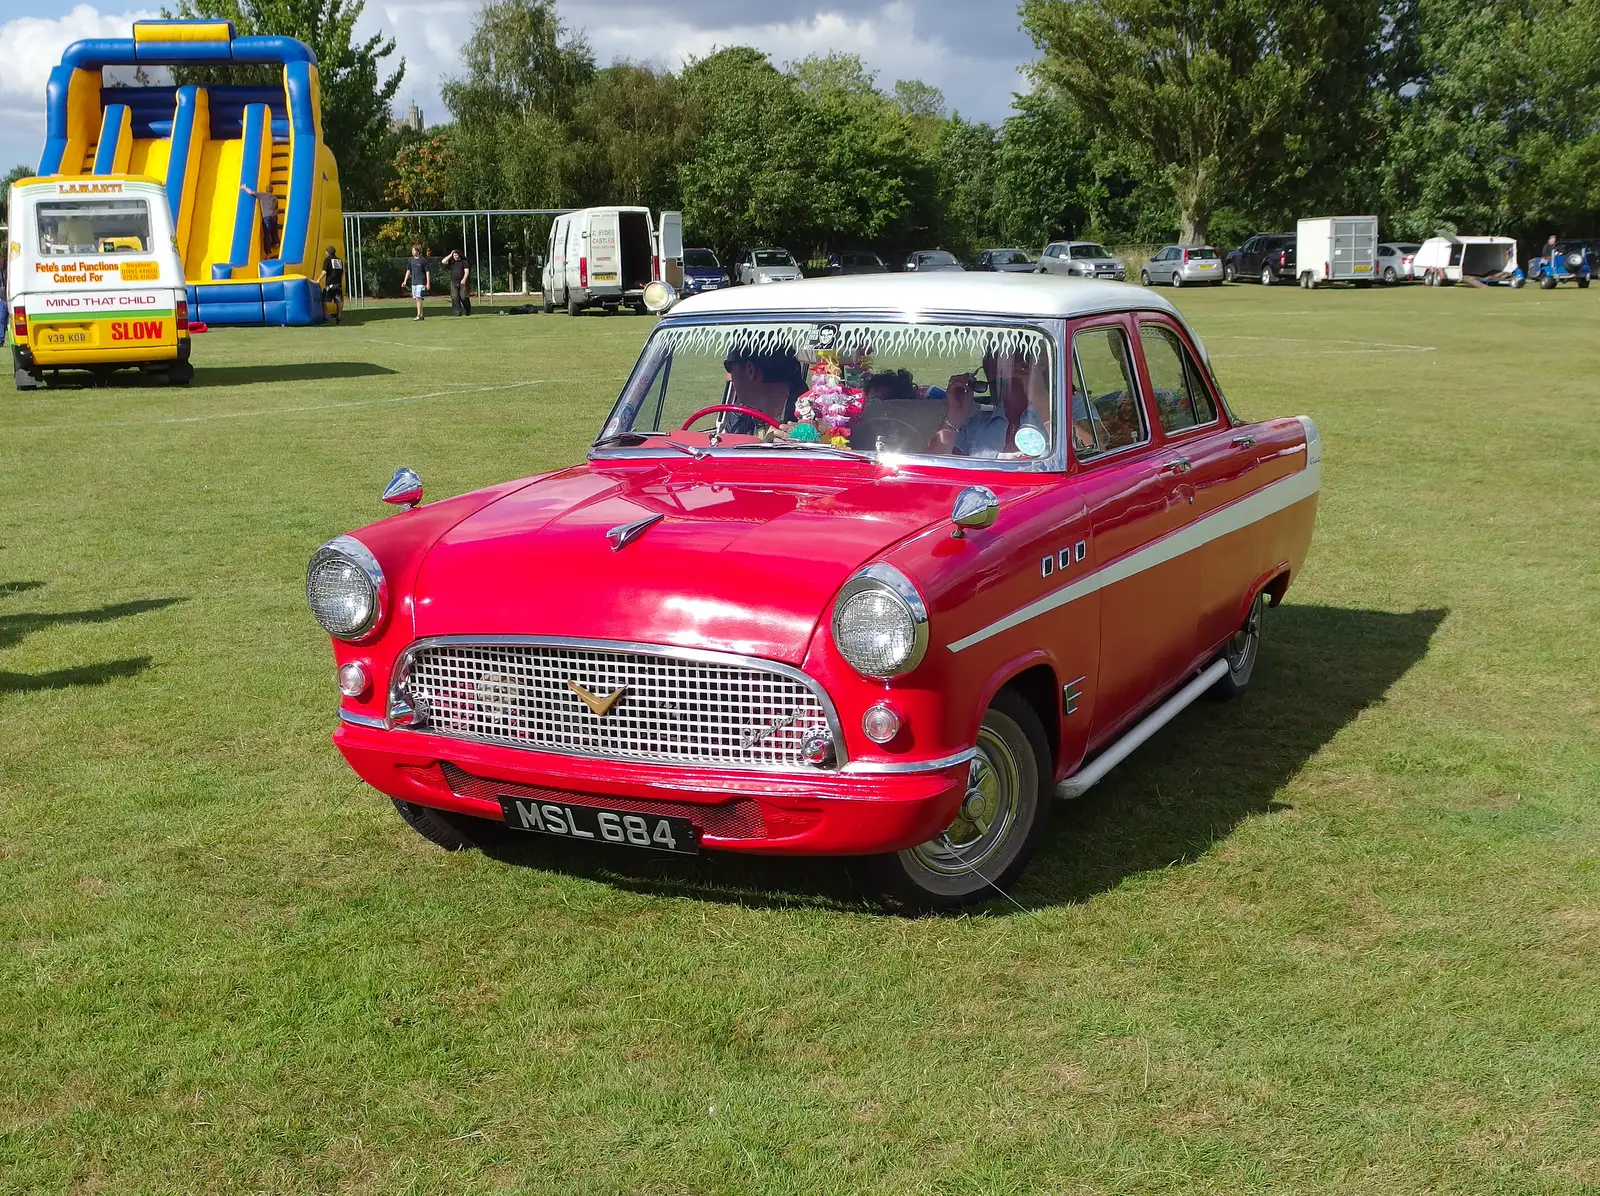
(833, 399)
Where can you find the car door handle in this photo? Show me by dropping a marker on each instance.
(1244, 442)
(1178, 465)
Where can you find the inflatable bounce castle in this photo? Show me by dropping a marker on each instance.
(211, 146)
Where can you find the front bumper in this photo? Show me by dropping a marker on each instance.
(840, 812)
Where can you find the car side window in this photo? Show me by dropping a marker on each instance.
(1106, 412)
(1181, 398)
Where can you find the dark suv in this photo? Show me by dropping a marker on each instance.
(1266, 257)
(856, 261)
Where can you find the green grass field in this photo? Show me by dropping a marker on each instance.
(1339, 937)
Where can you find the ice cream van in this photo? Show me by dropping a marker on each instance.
(94, 281)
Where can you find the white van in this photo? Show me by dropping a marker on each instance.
(605, 257)
(1337, 249)
(93, 279)
(1444, 259)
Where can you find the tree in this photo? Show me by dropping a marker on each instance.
(1202, 89)
(356, 94)
(632, 127)
(520, 60)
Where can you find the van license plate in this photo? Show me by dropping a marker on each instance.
(608, 276)
(64, 337)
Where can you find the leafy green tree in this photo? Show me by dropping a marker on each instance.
(1216, 97)
(520, 60)
(356, 93)
(632, 128)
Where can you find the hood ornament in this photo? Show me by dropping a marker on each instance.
(599, 707)
(625, 534)
(404, 489)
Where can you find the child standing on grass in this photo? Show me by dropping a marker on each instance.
(416, 277)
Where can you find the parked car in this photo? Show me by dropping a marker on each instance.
(1179, 265)
(1570, 261)
(1446, 259)
(1083, 259)
(1265, 257)
(766, 265)
(605, 257)
(1395, 260)
(928, 261)
(856, 261)
(721, 632)
(1005, 261)
(702, 271)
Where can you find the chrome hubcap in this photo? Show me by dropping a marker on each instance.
(986, 816)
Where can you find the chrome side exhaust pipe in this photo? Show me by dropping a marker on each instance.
(1080, 782)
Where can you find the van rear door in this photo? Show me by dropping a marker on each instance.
(604, 259)
(672, 248)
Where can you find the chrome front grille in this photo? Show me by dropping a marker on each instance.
(674, 706)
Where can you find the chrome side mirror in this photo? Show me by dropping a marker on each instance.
(404, 489)
(976, 507)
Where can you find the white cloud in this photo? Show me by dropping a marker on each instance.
(33, 46)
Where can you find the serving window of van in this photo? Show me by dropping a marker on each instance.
(98, 226)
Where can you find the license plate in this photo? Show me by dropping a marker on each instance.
(608, 276)
(653, 832)
(63, 337)
(1362, 269)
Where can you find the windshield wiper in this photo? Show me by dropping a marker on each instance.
(631, 439)
(815, 446)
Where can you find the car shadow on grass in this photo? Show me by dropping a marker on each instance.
(89, 674)
(15, 628)
(1170, 803)
(287, 371)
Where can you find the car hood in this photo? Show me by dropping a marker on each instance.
(704, 272)
(746, 564)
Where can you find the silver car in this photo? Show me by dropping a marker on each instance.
(766, 265)
(1183, 265)
(1081, 259)
(1395, 261)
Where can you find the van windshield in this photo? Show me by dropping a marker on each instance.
(98, 226)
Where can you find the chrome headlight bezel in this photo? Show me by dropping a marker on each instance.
(351, 551)
(884, 579)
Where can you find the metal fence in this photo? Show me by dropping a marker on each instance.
(373, 268)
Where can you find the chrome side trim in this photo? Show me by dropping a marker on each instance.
(1269, 500)
(701, 655)
(876, 768)
(362, 720)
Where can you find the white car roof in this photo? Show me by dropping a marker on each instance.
(1036, 295)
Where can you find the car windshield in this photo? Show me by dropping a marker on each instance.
(1009, 257)
(1091, 251)
(98, 226)
(843, 387)
(701, 259)
(773, 257)
(938, 258)
(1203, 253)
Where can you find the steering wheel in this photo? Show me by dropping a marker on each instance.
(735, 407)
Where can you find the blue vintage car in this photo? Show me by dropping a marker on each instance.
(1566, 261)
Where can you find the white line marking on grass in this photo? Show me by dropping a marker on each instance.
(196, 419)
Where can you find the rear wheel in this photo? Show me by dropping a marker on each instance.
(1177, 278)
(1267, 277)
(1583, 284)
(549, 304)
(1389, 276)
(181, 374)
(996, 829)
(453, 832)
(1431, 278)
(573, 306)
(1240, 653)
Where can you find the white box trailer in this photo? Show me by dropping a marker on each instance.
(1337, 249)
(1445, 259)
(605, 257)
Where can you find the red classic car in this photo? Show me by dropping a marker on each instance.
(866, 566)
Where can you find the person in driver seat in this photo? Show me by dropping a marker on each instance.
(765, 382)
(1021, 386)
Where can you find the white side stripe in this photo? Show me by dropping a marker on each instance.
(1269, 500)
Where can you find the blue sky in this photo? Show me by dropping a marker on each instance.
(973, 52)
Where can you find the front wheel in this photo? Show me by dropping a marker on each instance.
(1229, 274)
(996, 829)
(1144, 278)
(451, 831)
(1240, 652)
(1547, 282)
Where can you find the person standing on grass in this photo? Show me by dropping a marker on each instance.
(460, 296)
(332, 280)
(267, 204)
(416, 277)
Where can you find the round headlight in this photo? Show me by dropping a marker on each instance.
(880, 624)
(345, 588)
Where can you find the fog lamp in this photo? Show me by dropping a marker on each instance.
(880, 723)
(353, 679)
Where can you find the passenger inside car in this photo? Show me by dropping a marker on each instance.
(1020, 383)
(1106, 414)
